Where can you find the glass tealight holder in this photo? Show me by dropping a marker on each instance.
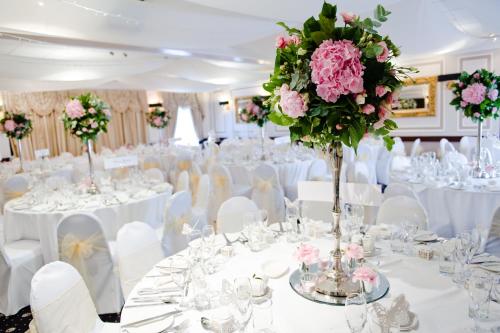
(308, 282)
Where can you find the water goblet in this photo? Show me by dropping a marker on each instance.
(263, 316)
(356, 312)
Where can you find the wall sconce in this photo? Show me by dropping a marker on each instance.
(225, 105)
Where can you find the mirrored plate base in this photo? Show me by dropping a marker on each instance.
(377, 291)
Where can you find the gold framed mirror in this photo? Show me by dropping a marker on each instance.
(417, 98)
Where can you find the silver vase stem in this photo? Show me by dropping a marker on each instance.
(93, 187)
(262, 137)
(20, 153)
(336, 156)
(478, 171)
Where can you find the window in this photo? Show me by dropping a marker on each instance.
(184, 128)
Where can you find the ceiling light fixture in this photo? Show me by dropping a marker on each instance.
(41, 3)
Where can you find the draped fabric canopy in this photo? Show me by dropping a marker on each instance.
(127, 126)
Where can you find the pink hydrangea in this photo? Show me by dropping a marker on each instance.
(337, 69)
(365, 274)
(368, 109)
(74, 109)
(463, 104)
(382, 57)
(292, 103)
(493, 94)
(294, 39)
(157, 121)
(348, 17)
(354, 251)
(10, 125)
(307, 254)
(380, 90)
(474, 94)
(477, 76)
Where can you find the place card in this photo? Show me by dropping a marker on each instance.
(353, 193)
(120, 162)
(42, 153)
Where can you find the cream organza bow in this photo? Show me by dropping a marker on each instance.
(221, 181)
(177, 224)
(184, 165)
(151, 165)
(263, 185)
(9, 195)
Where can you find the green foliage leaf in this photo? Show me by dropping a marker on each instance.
(319, 37)
(281, 119)
(389, 142)
(329, 11)
(290, 31)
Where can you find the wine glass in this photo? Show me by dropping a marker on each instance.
(479, 287)
(263, 316)
(242, 301)
(356, 312)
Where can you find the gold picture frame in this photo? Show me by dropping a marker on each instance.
(240, 103)
(417, 98)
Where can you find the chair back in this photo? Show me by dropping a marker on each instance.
(203, 193)
(396, 189)
(467, 144)
(398, 148)
(155, 175)
(493, 242)
(358, 172)
(83, 245)
(221, 184)
(60, 301)
(15, 187)
(138, 250)
(183, 182)
(402, 209)
(151, 162)
(194, 180)
(229, 216)
(317, 170)
(416, 148)
(445, 146)
(267, 192)
(177, 213)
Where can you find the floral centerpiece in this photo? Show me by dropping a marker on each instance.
(366, 276)
(306, 255)
(255, 112)
(16, 126)
(86, 116)
(157, 118)
(476, 95)
(333, 83)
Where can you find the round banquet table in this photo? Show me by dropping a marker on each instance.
(451, 211)
(42, 225)
(435, 299)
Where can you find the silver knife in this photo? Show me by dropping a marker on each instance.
(151, 319)
(150, 304)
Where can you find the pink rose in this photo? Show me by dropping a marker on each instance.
(92, 111)
(477, 76)
(477, 114)
(380, 90)
(460, 84)
(10, 125)
(94, 124)
(474, 94)
(85, 129)
(365, 274)
(354, 251)
(390, 98)
(463, 104)
(382, 57)
(74, 109)
(384, 113)
(307, 254)
(157, 121)
(338, 127)
(493, 94)
(360, 98)
(281, 42)
(294, 39)
(348, 17)
(336, 69)
(368, 109)
(292, 103)
(244, 117)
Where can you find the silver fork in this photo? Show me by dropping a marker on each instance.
(177, 328)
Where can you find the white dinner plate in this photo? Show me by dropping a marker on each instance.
(274, 268)
(426, 237)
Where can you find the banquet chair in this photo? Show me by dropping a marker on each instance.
(154, 174)
(177, 213)
(19, 260)
(221, 187)
(82, 243)
(454, 158)
(445, 147)
(402, 209)
(242, 182)
(368, 155)
(201, 206)
(183, 182)
(151, 162)
(194, 180)
(229, 216)
(267, 193)
(383, 169)
(397, 189)
(398, 148)
(318, 170)
(467, 144)
(14, 187)
(416, 148)
(61, 303)
(493, 241)
(358, 172)
(138, 249)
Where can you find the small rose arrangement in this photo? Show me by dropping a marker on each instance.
(354, 252)
(255, 111)
(335, 82)
(365, 275)
(476, 95)
(86, 116)
(306, 255)
(157, 118)
(16, 125)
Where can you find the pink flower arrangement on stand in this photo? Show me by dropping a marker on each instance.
(306, 255)
(366, 276)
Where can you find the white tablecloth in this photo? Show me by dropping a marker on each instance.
(22, 224)
(437, 302)
(452, 211)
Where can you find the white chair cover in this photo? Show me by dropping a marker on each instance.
(177, 213)
(183, 182)
(194, 180)
(138, 249)
(368, 155)
(61, 303)
(151, 162)
(15, 187)
(201, 207)
(399, 147)
(154, 174)
(267, 193)
(445, 146)
(399, 209)
(467, 144)
(416, 148)
(82, 244)
(493, 242)
(221, 187)
(19, 261)
(229, 216)
(358, 172)
(317, 171)
(384, 166)
(396, 189)
(454, 158)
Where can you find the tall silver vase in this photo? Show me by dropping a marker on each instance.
(92, 187)
(20, 154)
(478, 170)
(262, 139)
(337, 283)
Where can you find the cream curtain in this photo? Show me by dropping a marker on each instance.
(172, 102)
(127, 126)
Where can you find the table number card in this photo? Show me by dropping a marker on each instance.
(120, 162)
(353, 193)
(42, 153)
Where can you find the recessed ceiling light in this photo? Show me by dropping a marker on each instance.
(41, 3)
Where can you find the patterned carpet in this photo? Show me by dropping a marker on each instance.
(19, 323)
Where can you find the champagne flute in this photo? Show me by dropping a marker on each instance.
(356, 312)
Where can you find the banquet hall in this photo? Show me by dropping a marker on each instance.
(280, 166)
